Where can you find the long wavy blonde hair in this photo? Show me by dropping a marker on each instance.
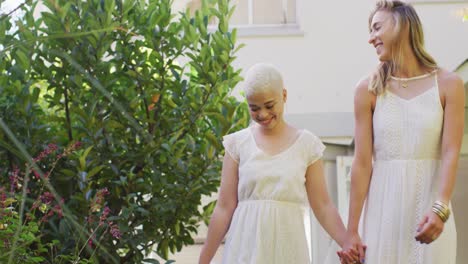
(404, 16)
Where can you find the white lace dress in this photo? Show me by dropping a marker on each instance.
(268, 225)
(405, 178)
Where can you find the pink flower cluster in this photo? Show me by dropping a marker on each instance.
(45, 203)
(98, 200)
(46, 152)
(69, 149)
(95, 206)
(14, 178)
(51, 148)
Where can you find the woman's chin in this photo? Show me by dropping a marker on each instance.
(384, 57)
(269, 124)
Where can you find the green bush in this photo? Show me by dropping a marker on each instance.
(20, 230)
(145, 92)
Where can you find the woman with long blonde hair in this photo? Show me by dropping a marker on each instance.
(409, 118)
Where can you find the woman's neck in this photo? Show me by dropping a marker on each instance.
(409, 66)
(280, 127)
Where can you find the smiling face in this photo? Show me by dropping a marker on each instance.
(383, 34)
(267, 107)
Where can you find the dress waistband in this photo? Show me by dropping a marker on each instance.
(405, 160)
(272, 201)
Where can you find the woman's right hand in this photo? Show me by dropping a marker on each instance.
(353, 251)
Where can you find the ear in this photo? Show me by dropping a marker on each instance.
(285, 95)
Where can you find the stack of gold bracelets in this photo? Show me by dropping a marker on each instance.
(442, 210)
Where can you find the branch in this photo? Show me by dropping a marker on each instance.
(67, 114)
(14, 10)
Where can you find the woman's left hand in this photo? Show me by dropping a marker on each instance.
(430, 228)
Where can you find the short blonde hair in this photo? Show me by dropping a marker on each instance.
(262, 77)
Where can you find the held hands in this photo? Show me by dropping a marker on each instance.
(430, 228)
(353, 251)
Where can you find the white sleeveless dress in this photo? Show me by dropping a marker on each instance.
(405, 179)
(268, 225)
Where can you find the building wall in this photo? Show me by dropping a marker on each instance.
(322, 66)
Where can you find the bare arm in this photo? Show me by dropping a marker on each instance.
(454, 112)
(319, 200)
(225, 206)
(362, 163)
(431, 226)
(361, 169)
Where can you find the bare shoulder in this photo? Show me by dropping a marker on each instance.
(362, 95)
(363, 84)
(449, 82)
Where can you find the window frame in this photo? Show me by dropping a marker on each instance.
(252, 30)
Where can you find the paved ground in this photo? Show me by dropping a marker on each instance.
(189, 255)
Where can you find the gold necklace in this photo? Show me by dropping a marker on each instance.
(404, 82)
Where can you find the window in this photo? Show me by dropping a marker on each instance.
(264, 12)
(262, 17)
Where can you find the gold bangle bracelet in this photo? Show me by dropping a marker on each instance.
(442, 204)
(442, 210)
(443, 207)
(440, 215)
